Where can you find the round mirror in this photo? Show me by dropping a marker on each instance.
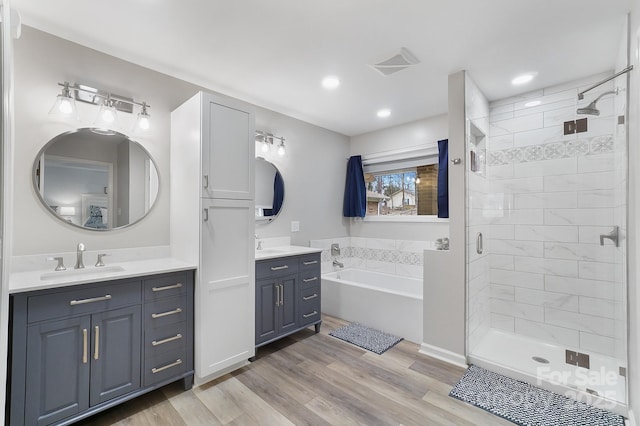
(269, 190)
(96, 179)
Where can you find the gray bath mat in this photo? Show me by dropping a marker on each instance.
(366, 337)
(525, 404)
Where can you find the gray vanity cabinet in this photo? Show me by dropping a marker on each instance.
(287, 296)
(82, 349)
(57, 373)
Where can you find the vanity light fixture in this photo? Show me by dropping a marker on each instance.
(109, 103)
(267, 139)
(64, 104)
(144, 119)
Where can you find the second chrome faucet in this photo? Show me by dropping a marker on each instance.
(79, 253)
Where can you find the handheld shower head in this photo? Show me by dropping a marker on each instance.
(591, 108)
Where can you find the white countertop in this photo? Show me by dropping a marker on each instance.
(284, 251)
(33, 280)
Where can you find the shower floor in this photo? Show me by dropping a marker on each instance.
(512, 355)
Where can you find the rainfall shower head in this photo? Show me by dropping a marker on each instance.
(591, 108)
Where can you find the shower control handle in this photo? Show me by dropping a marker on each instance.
(614, 236)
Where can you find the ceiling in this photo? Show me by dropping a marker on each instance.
(275, 53)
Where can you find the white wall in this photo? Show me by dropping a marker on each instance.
(313, 168)
(416, 134)
(633, 242)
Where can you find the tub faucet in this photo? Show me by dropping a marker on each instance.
(79, 252)
(338, 264)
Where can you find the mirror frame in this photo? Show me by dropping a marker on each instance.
(99, 131)
(269, 219)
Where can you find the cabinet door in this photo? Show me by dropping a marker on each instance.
(57, 379)
(225, 296)
(115, 353)
(288, 314)
(228, 144)
(266, 306)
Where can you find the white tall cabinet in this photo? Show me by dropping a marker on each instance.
(212, 225)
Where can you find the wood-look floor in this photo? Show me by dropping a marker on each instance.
(313, 379)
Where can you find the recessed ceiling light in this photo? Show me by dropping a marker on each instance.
(330, 82)
(384, 113)
(522, 79)
(532, 104)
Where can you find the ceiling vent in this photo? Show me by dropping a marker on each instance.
(397, 62)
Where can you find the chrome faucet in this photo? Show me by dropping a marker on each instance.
(79, 253)
(338, 264)
(259, 246)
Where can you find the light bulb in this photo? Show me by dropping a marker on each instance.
(417, 180)
(65, 106)
(143, 123)
(108, 116)
(265, 147)
(281, 150)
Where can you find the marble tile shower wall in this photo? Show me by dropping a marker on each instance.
(398, 257)
(551, 197)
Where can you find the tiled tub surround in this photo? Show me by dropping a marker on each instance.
(397, 257)
(551, 196)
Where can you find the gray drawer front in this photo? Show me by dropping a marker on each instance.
(310, 277)
(309, 261)
(165, 286)
(276, 267)
(166, 365)
(309, 305)
(80, 301)
(165, 311)
(165, 339)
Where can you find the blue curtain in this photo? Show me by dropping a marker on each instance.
(355, 194)
(278, 193)
(443, 178)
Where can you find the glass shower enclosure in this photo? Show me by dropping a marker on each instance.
(546, 193)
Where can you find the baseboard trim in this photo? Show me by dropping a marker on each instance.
(443, 355)
(631, 418)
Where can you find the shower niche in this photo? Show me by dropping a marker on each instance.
(477, 150)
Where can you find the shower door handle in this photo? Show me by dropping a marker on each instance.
(479, 248)
(613, 236)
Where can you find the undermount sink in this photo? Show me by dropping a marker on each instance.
(77, 273)
(269, 251)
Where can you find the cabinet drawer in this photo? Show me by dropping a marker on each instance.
(82, 301)
(165, 311)
(165, 339)
(165, 286)
(309, 305)
(310, 277)
(164, 366)
(310, 261)
(276, 267)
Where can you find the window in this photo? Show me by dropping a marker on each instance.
(411, 191)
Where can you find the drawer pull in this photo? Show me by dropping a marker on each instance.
(279, 268)
(167, 287)
(313, 296)
(173, 364)
(93, 299)
(164, 314)
(308, 280)
(310, 315)
(311, 262)
(167, 340)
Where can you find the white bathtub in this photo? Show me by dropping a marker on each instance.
(390, 303)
